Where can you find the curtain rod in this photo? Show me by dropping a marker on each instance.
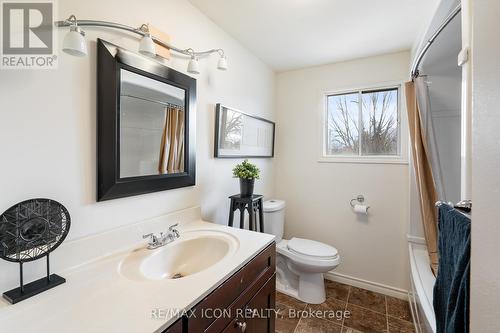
(154, 101)
(464, 207)
(414, 69)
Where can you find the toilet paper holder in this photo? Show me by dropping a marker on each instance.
(360, 198)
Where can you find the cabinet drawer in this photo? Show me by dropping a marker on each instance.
(257, 316)
(238, 306)
(234, 326)
(235, 291)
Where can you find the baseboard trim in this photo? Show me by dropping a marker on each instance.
(368, 285)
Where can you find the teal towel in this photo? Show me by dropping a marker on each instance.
(451, 291)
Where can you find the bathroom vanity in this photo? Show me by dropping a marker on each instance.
(243, 303)
(212, 278)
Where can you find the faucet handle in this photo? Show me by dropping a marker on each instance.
(153, 239)
(174, 231)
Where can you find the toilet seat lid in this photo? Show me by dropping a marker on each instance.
(273, 205)
(312, 248)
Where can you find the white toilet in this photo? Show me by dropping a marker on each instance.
(300, 263)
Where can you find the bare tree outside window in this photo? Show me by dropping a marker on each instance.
(380, 123)
(343, 125)
(371, 128)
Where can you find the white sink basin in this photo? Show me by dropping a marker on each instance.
(193, 252)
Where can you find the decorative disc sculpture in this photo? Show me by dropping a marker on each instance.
(29, 231)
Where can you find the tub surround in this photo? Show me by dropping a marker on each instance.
(422, 287)
(112, 302)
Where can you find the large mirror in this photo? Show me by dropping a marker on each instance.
(145, 125)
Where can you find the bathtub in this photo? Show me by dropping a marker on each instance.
(422, 284)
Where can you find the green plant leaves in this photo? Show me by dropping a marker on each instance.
(246, 170)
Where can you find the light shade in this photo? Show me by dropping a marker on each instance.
(74, 42)
(147, 46)
(222, 64)
(193, 66)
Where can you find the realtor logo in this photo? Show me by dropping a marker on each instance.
(28, 35)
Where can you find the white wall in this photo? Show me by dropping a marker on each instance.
(485, 268)
(318, 194)
(48, 122)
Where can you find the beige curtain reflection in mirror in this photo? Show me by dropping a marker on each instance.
(172, 141)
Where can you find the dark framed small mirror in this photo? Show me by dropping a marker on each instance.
(145, 125)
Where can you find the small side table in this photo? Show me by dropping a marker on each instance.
(252, 205)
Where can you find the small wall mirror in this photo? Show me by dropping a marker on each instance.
(145, 125)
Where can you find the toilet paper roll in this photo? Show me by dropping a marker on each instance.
(361, 209)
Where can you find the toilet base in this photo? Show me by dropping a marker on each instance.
(286, 290)
(311, 288)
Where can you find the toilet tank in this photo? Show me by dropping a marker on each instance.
(274, 218)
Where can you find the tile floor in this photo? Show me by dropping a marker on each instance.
(346, 310)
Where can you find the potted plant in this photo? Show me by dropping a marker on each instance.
(247, 173)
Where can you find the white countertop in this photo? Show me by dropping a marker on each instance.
(97, 298)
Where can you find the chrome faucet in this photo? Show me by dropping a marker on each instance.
(156, 241)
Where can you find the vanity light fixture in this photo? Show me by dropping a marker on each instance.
(74, 42)
(193, 66)
(222, 63)
(146, 45)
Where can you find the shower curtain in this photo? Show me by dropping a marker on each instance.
(172, 141)
(424, 105)
(422, 161)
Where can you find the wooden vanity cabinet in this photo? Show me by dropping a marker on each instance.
(245, 302)
(176, 327)
(258, 315)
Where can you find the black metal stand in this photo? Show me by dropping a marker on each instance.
(251, 204)
(33, 288)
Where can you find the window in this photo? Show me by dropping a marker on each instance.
(364, 124)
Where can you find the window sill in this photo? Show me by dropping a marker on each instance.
(363, 160)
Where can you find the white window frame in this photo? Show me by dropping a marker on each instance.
(401, 158)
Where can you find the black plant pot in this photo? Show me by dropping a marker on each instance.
(246, 187)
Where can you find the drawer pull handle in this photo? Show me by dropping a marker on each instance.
(242, 326)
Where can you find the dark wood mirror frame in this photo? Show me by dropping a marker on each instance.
(110, 60)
